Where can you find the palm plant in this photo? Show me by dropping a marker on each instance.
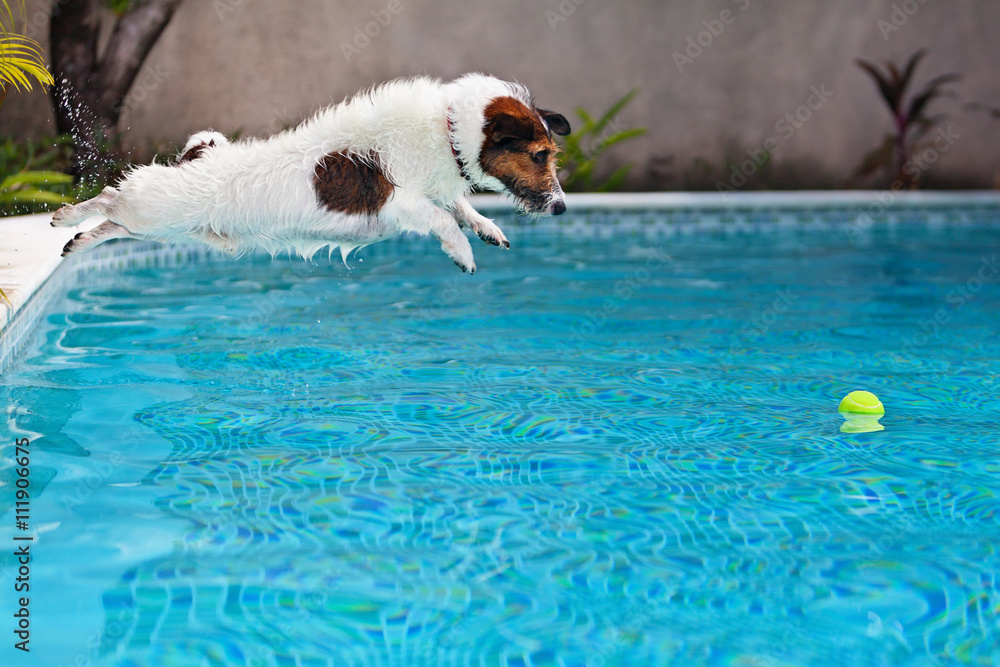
(583, 148)
(21, 57)
(33, 175)
(911, 122)
(30, 187)
(21, 61)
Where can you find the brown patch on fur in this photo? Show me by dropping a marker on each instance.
(513, 115)
(351, 185)
(195, 152)
(519, 151)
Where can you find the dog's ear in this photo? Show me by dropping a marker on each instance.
(507, 127)
(557, 122)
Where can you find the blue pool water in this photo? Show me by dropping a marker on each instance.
(614, 450)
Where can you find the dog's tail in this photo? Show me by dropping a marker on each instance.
(199, 143)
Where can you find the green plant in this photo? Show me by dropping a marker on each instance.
(21, 58)
(29, 187)
(119, 7)
(911, 122)
(992, 112)
(33, 176)
(583, 148)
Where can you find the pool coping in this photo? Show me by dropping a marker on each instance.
(30, 248)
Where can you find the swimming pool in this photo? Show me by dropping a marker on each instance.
(616, 444)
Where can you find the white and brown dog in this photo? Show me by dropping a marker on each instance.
(399, 158)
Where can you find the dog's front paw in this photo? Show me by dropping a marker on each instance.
(492, 234)
(466, 268)
(461, 254)
(487, 230)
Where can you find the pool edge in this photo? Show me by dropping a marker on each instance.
(632, 201)
(30, 248)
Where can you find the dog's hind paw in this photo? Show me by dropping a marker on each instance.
(64, 217)
(71, 245)
(105, 231)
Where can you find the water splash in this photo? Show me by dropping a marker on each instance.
(94, 162)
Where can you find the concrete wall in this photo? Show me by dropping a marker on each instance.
(259, 65)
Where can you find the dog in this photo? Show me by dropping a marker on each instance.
(400, 157)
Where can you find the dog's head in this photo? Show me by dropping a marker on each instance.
(518, 151)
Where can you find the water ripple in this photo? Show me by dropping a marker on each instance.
(602, 464)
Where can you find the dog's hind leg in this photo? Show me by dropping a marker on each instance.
(73, 214)
(105, 231)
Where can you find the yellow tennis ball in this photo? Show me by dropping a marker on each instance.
(862, 403)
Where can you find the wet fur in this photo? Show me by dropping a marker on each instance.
(399, 158)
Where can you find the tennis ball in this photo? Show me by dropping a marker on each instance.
(862, 403)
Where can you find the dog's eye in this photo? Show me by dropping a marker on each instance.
(541, 157)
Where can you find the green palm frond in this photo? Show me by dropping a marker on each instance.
(21, 58)
(7, 14)
(615, 109)
(34, 178)
(31, 187)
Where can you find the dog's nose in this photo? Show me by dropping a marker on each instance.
(559, 208)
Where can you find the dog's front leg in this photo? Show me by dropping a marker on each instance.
(481, 225)
(455, 244)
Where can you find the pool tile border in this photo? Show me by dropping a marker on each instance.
(30, 248)
(73, 271)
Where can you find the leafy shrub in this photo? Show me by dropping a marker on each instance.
(910, 117)
(583, 148)
(33, 176)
